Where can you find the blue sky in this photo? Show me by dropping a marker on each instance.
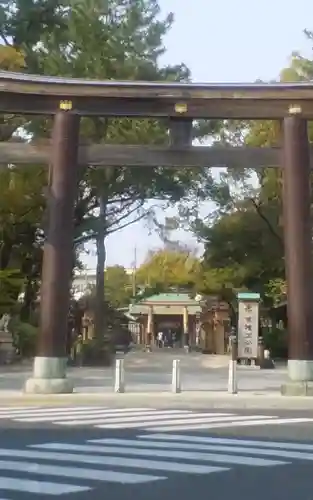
(222, 41)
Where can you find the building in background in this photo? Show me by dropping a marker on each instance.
(85, 280)
(205, 319)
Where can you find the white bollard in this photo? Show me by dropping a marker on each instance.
(232, 377)
(232, 371)
(176, 376)
(119, 385)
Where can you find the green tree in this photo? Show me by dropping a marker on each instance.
(21, 209)
(243, 236)
(120, 40)
(242, 242)
(11, 281)
(168, 269)
(11, 59)
(21, 235)
(116, 39)
(118, 286)
(24, 22)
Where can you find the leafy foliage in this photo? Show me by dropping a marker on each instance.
(117, 39)
(24, 337)
(10, 285)
(118, 286)
(243, 237)
(169, 269)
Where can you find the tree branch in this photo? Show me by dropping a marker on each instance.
(141, 216)
(110, 228)
(125, 208)
(120, 200)
(271, 229)
(4, 38)
(125, 215)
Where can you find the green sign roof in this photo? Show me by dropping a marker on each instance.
(248, 296)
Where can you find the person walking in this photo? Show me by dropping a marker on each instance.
(160, 339)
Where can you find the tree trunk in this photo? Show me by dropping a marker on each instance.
(30, 295)
(5, 253)
(100, 320)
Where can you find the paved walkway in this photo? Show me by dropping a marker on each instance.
(148, 381)
(152, 372)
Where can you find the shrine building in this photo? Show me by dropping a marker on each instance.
(205, 320)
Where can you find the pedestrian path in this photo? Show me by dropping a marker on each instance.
(60, 468)
(156, 420)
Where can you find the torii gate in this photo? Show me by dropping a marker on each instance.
(68, 99)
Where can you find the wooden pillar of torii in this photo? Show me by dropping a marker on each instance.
(298, 253)
(49, 371)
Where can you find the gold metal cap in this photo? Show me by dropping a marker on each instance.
(295, 109)
(181, 108)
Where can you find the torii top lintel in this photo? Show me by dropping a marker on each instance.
(33, 94)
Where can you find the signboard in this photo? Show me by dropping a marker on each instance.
(248, 329)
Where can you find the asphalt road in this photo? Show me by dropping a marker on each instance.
(44, 460)
(271, 424)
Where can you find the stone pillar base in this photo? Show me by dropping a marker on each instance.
(300, 373)
(267, 364)
(49, 377)
(297, 389)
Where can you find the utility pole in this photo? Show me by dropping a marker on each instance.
(134, 272)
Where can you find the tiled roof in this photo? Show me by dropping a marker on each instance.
(170, 297)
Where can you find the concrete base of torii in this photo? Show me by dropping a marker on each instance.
(49, 377)
(300, 373)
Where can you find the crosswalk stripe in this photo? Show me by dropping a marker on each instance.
(180, 455)
(41, 409)
(18, 408)
(207, 447)
(51, 412)
(152, 456)
(152, 419)
(176, 424)
(42, 487)
(116, 422)
(77, 472)
(112, 461)
(235, 422)
(100, 416)
(218, 440)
